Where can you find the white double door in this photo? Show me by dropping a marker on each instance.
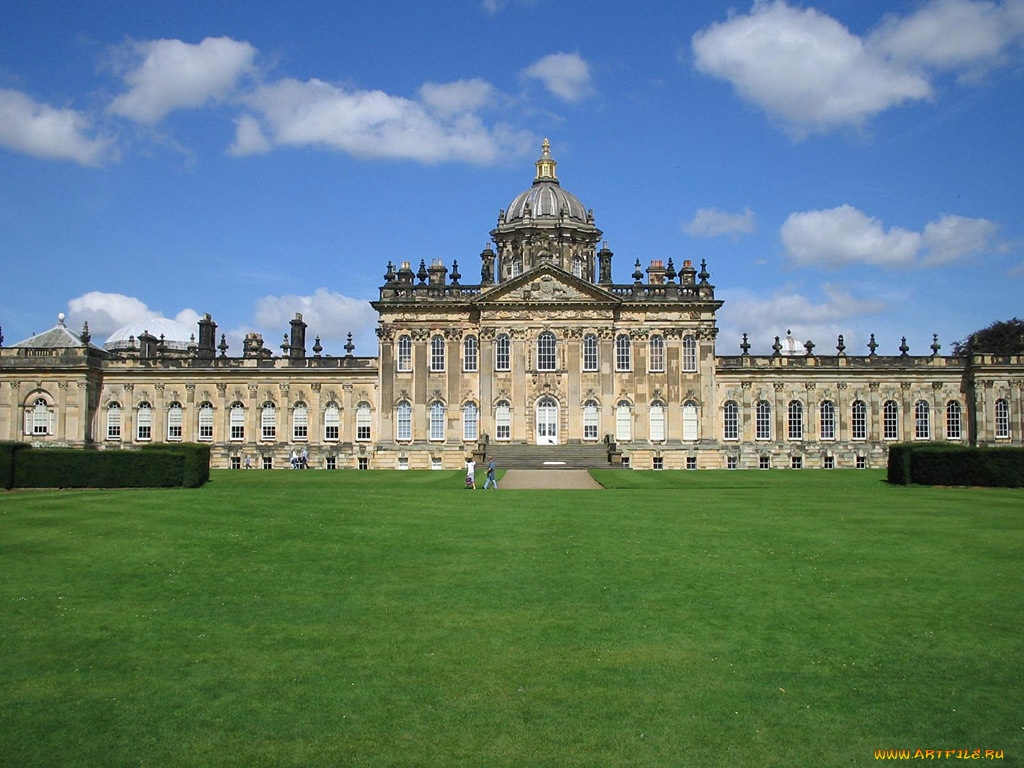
(547, 421)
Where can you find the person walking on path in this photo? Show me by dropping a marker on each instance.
(470, 474)
(491, 479)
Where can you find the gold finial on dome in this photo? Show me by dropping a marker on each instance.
(546, 165)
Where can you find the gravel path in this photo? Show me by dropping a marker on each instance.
(519, 479)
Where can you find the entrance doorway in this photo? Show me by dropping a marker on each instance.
(547, 421)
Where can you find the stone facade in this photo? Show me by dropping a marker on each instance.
(545, 349)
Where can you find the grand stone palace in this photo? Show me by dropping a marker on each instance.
(545, 353)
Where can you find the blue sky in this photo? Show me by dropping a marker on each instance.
(846, 166)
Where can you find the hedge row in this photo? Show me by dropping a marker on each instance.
(166, 467)
(7, 453)
(945, 464)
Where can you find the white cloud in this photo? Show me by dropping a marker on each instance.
(249, 138)
(377, 124)
(809, 71)
(953, 237)
(447, 99)
(45, 131)
(711, 222)
(328, 315)
(947, 34)
(566, 75)
(494, 6)
(106, 312)
(170, 74)
(845, 236)
(821, 321)
(803, 67)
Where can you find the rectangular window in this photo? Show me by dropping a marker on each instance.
(659, 462)
(363, 463)
(796, 462)
(236, 462)
(205, 423)
(437, 354)
(827, 425)
(859, 421)
(954, 430)
(1002, 418)
(404, 354)
(830, 462)
(890, 421)
(403, 462)
(435, 463)
(268, 462)
(144, 424)
(590, 352)
(691, 462)
(502, 354)
(363, 422)
(862, 462)
(764, 462)
(502, 422)
(656, 353)
(332, 422)
(332, 462)
(731, 462)
(763, 422)
(174, 422)
(731, 421)
(590, 421)
(300, 429)
(622, 356)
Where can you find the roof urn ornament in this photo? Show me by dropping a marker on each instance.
(422, 275)
(703, 274)
(86, 336)
(935, 344)
(670, 272)
(223, 346)
(777, 348)
(317, 347)
(638, 274)
(841, 346)
(904, 349)
(872, 346)
(745, 346)
(349, 346)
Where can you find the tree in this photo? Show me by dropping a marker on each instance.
(1003, 337)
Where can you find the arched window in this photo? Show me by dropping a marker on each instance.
(502, 421)
(404, 353)
(1002, 418)
(404, 419)
(689, 354)
(763, 420)
(114, 421)
(622, 350)
(657, 415)
(891, 420)
(954, 423)
(470, 423)
(470, 356)
(502, 353)
(546, 351)
(437, 421)
(39, 418)
(437, 353)
(691, 425)
(300, 422)
(656, 354)
(268, 422)
(590, 421)
(577, 266)
(236, 421)
(623, 421)
(206, 421)
(590, 352)
(859, 420)
(796, 420)
(517, 267)
(363, 422)
(332, 422)
(827, 420)
(175, 419)
(144, 422)
(731, 421)
(922, 421)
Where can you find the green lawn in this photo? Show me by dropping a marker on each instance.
(393, 619)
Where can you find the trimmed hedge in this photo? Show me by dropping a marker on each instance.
(946, 464)
(197, 461)
(83, 468)
(7, 459)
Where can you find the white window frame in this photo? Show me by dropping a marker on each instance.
(502, 420)
(437, 421)
(363, 422)
(503, 353)
(691, 421)
(922, 420)
(590, 354)
(689, 353)
(300, 423)
(1002, 418)
(731, 420)
(437, 354)
(763, 420)
(827, 420)
(332, 422)
(890, 420)
(795, 420)
(268, 422)
(547, 352)
(175, 422)
(470, 423)
(591, 420)
(403, 421)
(859, 420)
(404, 354)
(656, 354)
(114, 421)
(39, 418)
(470, 354)
(236, 421)
(623, 422)
(205, 421)
(623, 354)
(657, 422)
(954, 421)
(144, 422)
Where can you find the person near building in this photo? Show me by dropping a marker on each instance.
(470, 474)
(491, 479)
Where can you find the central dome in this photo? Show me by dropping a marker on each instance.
(546, 198)
(175, 335)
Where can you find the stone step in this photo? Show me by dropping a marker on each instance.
(573, 456)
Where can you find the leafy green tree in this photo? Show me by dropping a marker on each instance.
(1003, 337)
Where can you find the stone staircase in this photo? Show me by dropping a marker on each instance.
(571, 456)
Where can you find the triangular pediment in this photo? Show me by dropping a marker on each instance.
(546, 284)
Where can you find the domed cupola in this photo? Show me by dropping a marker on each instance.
(546, 224)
